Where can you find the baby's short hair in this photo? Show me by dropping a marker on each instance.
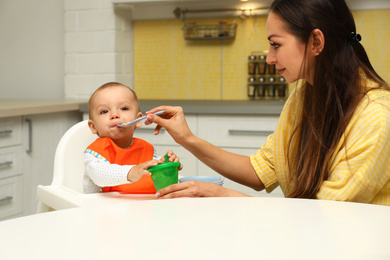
(109, 85)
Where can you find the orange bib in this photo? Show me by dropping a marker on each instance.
(140, 151)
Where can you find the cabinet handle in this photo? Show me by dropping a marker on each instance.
(249, 132)
(29, 123)
(6, 199)
(5, 132)
(162, 130)
(6, 163)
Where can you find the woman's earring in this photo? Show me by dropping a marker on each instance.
(318, 52)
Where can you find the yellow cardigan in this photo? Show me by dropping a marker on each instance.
(364, 177)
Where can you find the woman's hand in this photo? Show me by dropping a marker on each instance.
(173, 120)
(196, 189)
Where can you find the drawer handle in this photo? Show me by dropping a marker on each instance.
(6, 199)
(162, 130)
(29, 125)
(6, 163)
(5, 132)
(249, 132)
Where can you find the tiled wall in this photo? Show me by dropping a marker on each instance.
(168, 67)
(98, 46)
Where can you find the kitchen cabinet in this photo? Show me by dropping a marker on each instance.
(42, 133)
(27, 148)
(10, 167)
(241, 134)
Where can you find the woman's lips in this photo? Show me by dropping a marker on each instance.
(281, 71)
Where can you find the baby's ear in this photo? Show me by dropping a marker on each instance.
(92, 127)
(139, 124)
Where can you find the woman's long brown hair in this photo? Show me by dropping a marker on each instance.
(330, 102)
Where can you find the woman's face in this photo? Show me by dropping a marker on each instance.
(286, 51)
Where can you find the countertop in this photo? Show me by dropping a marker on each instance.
(251, 107)
(21, 107)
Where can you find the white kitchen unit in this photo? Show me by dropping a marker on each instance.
(241, 134)
(11, 175)
(42, 134)
(29, 134)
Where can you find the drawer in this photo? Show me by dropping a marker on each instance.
(205, 170)
(10, 196)
(10, 131)
(236, 131)
(146, 132)
(10, 161)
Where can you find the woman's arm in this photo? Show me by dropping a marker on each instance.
(233, 166)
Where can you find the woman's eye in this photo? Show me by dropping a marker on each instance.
(103, 112)
(124, 109)
(275, 45)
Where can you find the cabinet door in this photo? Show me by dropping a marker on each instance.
(240, 134)
(10, 161)
(10, 197)
(246, 131)
(10, 131)
(41, 136)
(205, 170)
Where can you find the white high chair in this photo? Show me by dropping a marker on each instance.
(66, 189)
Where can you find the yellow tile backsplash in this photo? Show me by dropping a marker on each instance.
(168, 67)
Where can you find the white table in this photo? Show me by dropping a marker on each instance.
(204, 228)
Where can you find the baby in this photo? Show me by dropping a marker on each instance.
(116, 161)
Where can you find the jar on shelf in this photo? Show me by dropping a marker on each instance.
(223, 29)
(271, 69)
(282, 87)
(252, 64)
(252, 87)
(271, 87)
(261, 87)
(191, 30)
(262, 65)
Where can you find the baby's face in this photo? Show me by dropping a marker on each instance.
(110, 107)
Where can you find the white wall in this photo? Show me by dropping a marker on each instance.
(31, 49)
(98, 46)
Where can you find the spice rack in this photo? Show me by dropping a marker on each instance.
(220, 31)
(263, 80)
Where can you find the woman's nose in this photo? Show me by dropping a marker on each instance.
(271, 59)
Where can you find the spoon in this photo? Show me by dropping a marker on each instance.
(139, 119)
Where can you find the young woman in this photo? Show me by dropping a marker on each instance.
(333, 137)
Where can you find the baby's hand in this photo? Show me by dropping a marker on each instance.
(140, 170)
(173, 158)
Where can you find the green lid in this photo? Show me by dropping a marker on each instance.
(165, 164)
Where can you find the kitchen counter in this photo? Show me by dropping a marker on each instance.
(22, 107)
(249, 107)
